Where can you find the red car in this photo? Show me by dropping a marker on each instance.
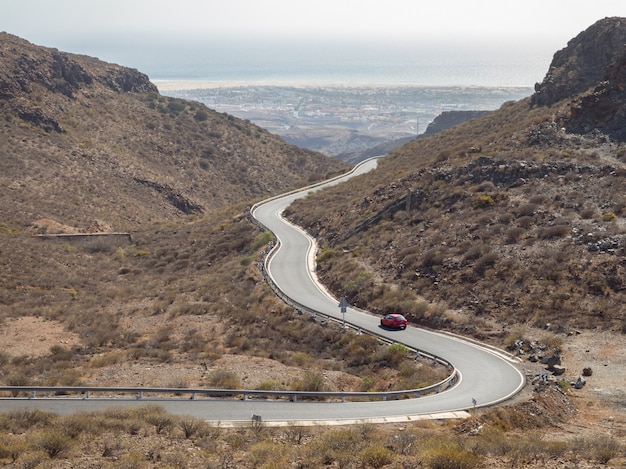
(397, 321)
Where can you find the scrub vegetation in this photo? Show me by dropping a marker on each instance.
(508, 229)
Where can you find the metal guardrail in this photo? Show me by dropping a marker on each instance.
(92, 392)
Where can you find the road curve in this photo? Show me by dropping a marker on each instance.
(487, 376)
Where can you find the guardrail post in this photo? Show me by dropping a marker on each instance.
(87, 394)
(32, 395)
(140, 395)
(245, 397)
(295, 398)
(417, 394)
(193, 396)
(343, 398)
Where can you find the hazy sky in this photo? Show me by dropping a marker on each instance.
(39, 20)
(112, 29)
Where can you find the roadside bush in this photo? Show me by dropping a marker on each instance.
(271, 386)
(300, 359)
(224, 379)
(601, 449)
(337, 446)
(189, 426)
(312, 381)
(161, 421)
(552, 341)
(325, 254)
(53, 443)
(21, 420)
(376, 456)
(75, 424)
(451, 456)
(261, 240)
(395, 354)
(11, 447)
(265, 452)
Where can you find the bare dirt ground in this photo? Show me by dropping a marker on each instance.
(33, 336)
(601, 403)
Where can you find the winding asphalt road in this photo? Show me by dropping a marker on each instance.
(487, 376)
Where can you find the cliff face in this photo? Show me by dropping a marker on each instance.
(583, 63)
(589, 78)
(604, 107)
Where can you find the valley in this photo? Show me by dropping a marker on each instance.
(338, 120)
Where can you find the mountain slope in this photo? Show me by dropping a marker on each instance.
(86, 140)
(512, 218)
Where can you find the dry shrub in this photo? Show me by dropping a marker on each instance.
(11, 447)
(514, 234)
(224, 379)
(552, 232)
(449, 455)
(21, 420)
(161, 421)
(312, 381)
(376, 456)
(53, 443)
(492, 441)
(336, 446)
(267, 453)
(300, 359)
(551, 341)
(76, 424)
(484, 262)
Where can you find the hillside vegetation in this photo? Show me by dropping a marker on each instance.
(510, 220)
(92, 148)
(504, 220)
(83, 140)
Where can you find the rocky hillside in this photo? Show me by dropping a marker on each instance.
(448, 119)
(84, 140)
(584, 63)
(515, 217)
(590, 74)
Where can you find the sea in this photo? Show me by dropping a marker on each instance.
(300, 90)
(469, 63)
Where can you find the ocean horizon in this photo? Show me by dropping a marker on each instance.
(223, 64)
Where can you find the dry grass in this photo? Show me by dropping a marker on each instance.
(148, 436)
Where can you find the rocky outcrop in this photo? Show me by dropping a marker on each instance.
(588, 77)
(449, 119)
(25, 66)
(604, 107)
(584, 63)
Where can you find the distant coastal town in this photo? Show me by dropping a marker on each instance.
(340, 119)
